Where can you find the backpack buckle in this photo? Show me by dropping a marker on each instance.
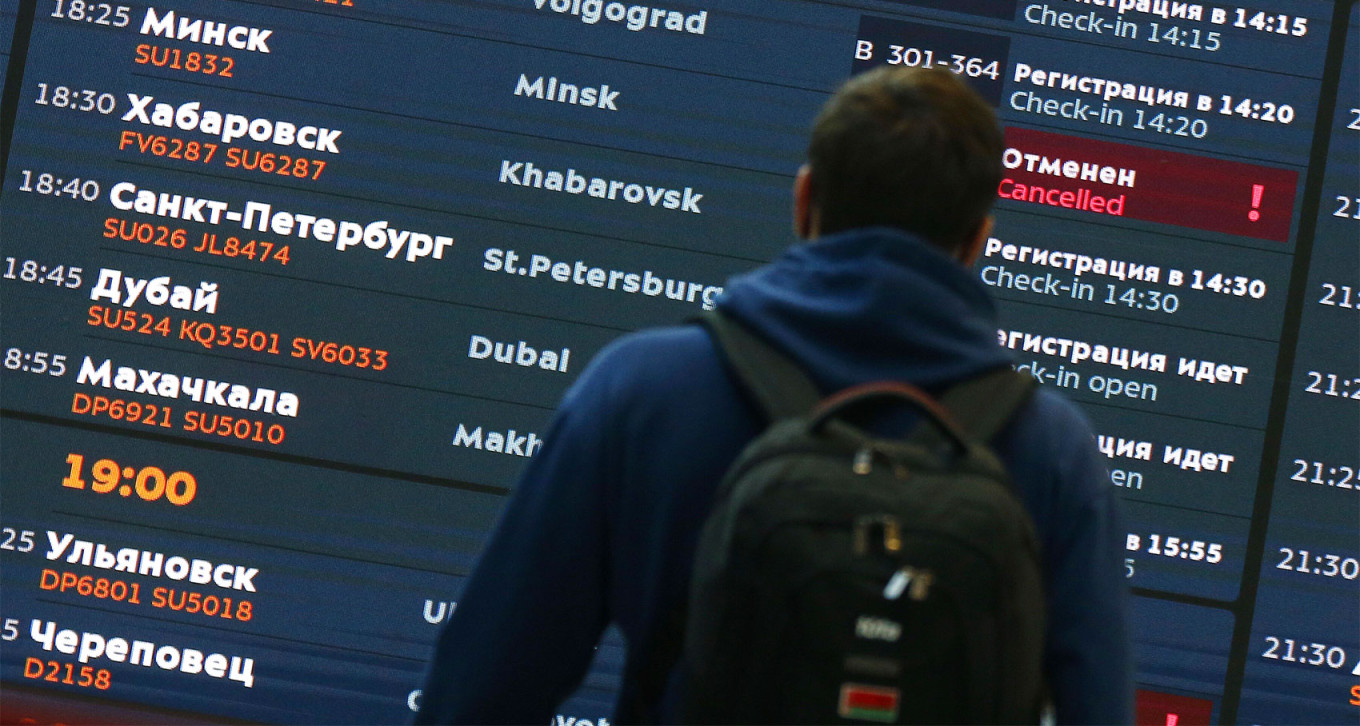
(919, 580)
(882, 528)
(863, 462)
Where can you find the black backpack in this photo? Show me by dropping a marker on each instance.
(843, 577)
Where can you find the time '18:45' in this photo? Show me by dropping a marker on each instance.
(33, 271)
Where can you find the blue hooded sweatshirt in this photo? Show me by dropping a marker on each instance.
(602, 526)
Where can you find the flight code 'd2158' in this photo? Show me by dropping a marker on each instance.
(69, 673)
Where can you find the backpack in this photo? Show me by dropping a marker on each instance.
(844, 577)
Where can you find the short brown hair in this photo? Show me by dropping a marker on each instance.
(908, 148)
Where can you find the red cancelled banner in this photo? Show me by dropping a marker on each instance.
(1153, 185)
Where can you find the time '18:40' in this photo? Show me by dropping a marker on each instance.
(55, 186)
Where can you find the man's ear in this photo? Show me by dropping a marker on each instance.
(970, 252)
(804, 224)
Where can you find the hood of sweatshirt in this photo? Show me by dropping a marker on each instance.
(871, 304)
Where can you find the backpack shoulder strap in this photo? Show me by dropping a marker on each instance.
(983, 405)
(780, 389)
(777, 385)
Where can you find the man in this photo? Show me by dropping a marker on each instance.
(903, 166)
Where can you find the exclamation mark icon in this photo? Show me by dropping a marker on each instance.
(1257, 190)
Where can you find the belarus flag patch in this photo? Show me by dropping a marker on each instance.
(869, 703)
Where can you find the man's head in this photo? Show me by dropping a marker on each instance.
(907, 148)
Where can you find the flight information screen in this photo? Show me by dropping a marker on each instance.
(289, 290)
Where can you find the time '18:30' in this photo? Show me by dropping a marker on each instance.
(76, 99)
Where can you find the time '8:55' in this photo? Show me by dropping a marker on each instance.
(36, 362)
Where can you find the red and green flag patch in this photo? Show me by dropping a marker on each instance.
(869, 703)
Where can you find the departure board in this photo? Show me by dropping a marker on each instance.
(289, 290)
